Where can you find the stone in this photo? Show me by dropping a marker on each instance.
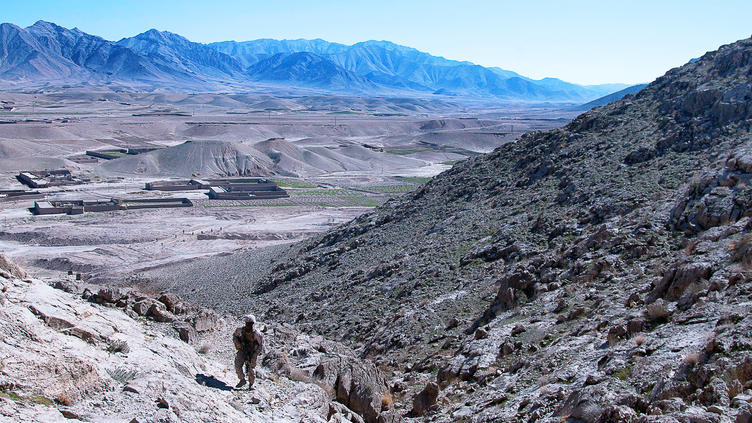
(518, 329)
(686, 275)
(109, 295)
(616, 333)
(424, 400)
(205, 320)
(70, 415)
(452, 323)
(745, 414)
(584, 404)
(171, 301)
(159, 313)
(142, 307)
(186, 332)
(481, 333)
(12, 269)
(635, 325)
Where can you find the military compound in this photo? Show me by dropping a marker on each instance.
(48, 178)
(73, 207)
(181, 185)
(19, 194)
(225, 189)
(115, 153)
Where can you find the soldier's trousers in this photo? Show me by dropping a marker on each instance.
(241, 359)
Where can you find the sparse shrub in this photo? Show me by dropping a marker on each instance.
(205, 348)
(657, 310)
(38, 399)
(122, 374)
(623, 374)
(386, 400)
(741, 251)
(118, 346)
(640, 339)
(692, 358)
(63, 399)
(690, 247)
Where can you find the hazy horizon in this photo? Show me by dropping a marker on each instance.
(588, 43)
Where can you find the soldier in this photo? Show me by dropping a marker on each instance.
(250, 343)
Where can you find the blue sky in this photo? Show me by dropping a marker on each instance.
(586, 42)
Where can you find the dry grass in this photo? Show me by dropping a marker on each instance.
(64, 399)
(657, 310)
(640, 339)
(692, 358)
(386, 400)
(118, 346)
(690, 247)
(741, 250)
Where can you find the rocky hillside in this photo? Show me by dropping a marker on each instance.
(597, 272)
(72, 354)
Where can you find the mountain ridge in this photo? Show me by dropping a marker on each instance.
(45, 53)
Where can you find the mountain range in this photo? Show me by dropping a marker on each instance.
(46, 53)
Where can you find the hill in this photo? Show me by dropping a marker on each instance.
(272, 157)
(597, 272)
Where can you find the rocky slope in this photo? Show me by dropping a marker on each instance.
(70, 354)
(597, 272)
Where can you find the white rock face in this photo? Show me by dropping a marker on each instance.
(62, 357)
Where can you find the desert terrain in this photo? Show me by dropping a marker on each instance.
(338, 157)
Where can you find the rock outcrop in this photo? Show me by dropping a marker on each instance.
(63, 357)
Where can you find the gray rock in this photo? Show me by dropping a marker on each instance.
(424, 400)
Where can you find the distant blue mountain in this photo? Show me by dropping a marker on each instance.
(48, 53)
(634, 89)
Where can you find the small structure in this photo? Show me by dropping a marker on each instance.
(181, 185)
(108, 154)
(154, 203)
(233, 193)
(72, 207)
(48, 178)
(244, 189)
(116, 153)
(19, 194)
(83, 159)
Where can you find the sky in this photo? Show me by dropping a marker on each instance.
(586, 42)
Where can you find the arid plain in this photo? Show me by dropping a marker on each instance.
(337, 157)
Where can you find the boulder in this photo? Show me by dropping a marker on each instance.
(616, 333)
(186, 332)
(142, 307)
(108, 295)
(205, 320)
(686, 275)
(585, 405)
(425, 400)
(12, 268)
(361, 387)
(172, 302)
(158, 312)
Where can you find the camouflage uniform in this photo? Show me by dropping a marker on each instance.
(250, 343)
